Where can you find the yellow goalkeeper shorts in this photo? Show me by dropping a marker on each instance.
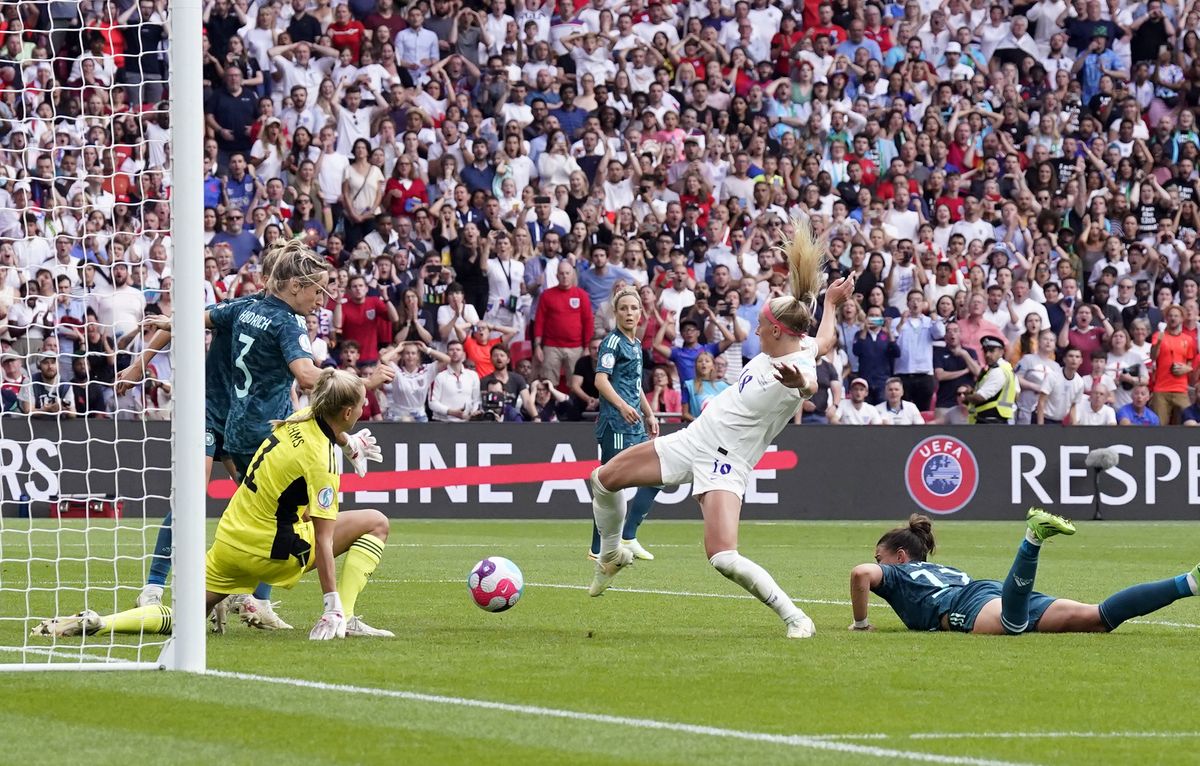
(229, 570)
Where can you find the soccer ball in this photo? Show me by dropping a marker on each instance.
(495, 584)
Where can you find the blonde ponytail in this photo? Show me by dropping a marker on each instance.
(335, 391)
(806, 257)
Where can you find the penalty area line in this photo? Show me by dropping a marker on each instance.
(799, 741)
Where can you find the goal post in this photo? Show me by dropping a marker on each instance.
(187, 133)
(87, 475)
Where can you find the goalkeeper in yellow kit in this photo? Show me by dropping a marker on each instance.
(282, 522)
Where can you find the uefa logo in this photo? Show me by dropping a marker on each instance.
(941, 474)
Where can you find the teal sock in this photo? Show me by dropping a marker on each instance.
(1014, 595)
(263, 592)
(1143, 599)
(639, 507)
(160, 562)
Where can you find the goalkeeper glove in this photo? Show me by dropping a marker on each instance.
(361, 447)
(332, 623)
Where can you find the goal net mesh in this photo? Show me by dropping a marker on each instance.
(85, 256)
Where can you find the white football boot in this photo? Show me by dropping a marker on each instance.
(607, 567)
(260, 613)
(86, 622)
(356, 627)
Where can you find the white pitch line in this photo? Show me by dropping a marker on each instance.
(1056, 735)
(1017, 735)
(788, 740)
(653, 592)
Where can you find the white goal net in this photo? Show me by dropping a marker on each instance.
(86, 254)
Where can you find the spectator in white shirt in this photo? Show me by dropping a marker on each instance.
(1095, 412)
(455, 397)
(1066, 387)
(410, 389)
(854, 410)
(894, 410)
(416, 47)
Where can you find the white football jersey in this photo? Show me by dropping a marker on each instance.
(746, 417)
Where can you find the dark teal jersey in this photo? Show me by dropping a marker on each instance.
(920, 592)
(621, 359)
(218, 371)
(264, 339)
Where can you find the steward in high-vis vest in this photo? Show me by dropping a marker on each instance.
(995, 394)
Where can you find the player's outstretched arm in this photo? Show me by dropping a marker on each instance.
(333, 621)
(864, 578)
(835, 296)
(136, 371)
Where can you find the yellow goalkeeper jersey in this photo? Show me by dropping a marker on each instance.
(292, 478)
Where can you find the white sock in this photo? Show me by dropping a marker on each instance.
(1031, 538)
(1191, 578)
(757, 581)
(608, 508)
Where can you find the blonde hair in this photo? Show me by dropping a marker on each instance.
(335, 391)
(626, 292)
(291, 259)
(806, 256)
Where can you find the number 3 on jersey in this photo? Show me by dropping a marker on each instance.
(246, 342)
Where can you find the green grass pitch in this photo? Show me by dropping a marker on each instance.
(688, 651)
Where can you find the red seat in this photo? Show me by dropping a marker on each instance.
(522, 349)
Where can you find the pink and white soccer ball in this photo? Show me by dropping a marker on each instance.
(495, 584)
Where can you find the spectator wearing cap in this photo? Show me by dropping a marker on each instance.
(854, 409)
(954, 68)
(49, 395)
(1175, 359)
(1098, 61)
(15, 395)
(684, 355)
(1137, 413)
(995, 394)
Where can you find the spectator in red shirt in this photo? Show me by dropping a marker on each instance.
(346, 32)
(562, 326)
(405, 192)
(1174, 355)
(478, 346)
(825, 26)
(782, 43)
(367, 320)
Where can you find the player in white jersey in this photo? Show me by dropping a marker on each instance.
(720, 448)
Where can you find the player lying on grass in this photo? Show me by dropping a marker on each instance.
(717, 451)
(282, 521)
(928, 596)
(245, 391)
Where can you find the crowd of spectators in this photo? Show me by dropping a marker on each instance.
(482, 177)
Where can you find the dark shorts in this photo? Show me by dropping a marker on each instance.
(241, 461)
(214, 443)
(970, 601)
(613, 443)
